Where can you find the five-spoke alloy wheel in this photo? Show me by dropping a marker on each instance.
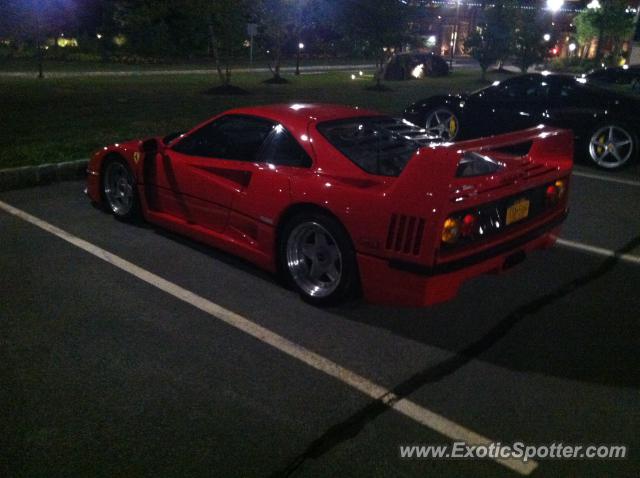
(318, 258)
(611, 147)
(119, 189)
(443, 124)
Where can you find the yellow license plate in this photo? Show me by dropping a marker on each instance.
(518, 211)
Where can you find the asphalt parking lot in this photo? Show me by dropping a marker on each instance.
(107, 371)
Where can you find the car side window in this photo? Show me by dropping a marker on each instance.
(571, 93)
(524, 88)
(281, 149)
(235, 137)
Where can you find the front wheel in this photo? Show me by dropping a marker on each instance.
(119, 190)
(318, 259)
(612, 146)
(443, 124)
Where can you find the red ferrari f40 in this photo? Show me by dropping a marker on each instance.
(341, 201)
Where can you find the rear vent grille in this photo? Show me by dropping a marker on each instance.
(405, 234)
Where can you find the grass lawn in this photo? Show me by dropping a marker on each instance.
(52, 120)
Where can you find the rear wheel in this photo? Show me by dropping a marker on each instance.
(442, 123)
(318, 259)
(119, 190)
(612, 146)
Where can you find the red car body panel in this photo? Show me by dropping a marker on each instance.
(395, 223)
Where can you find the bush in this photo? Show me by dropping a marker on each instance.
(571, 65)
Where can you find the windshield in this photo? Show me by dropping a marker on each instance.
(378, 144)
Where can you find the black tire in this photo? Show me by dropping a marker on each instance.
(610, 155)
(297, 268)
(119, 190)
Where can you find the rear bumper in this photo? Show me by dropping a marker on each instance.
(415, 285)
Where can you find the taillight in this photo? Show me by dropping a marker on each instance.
(469, 224)
(451, 231)
(556, 191)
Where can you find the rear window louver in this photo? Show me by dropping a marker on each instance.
(405, 234)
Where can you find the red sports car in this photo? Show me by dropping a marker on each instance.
(341, 200)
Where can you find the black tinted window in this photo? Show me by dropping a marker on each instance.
(379, 145)
(283, 150)
(230, 137)
(524, 88)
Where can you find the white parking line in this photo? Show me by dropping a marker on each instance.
(610, 179)
(600, 251)
(412, 410)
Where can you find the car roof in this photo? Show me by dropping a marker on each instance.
(305, 112)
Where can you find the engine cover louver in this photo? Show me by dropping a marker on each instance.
(405, 234)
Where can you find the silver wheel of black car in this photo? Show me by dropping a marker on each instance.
(442, 124)
(611, 147)
(314, 259)
(118, 187)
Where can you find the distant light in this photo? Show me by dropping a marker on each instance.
(353, 77)
(99, 36)
(360, 73)
(582, 80)
(545, 73)
(555, 5)
(594, 5)
(300, 46)
(495, 83)
(625, 67)
(572, 47)
(418, 71)
(547, 37)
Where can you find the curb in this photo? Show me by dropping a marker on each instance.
(27, 176)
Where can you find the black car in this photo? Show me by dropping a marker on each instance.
(605, 123)
(622, 75)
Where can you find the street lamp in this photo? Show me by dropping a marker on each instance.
(554, 5)
(300, 48)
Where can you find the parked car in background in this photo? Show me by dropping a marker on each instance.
(605, 123)
(340, 200)
(414, 65)
(621, 75)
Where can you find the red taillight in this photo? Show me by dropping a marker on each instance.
(469, 223)
(555, 191)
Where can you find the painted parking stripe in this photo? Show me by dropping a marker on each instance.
(610, 179)
(600, 251)
(412, 410)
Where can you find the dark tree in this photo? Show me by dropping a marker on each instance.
(382, 25)
(528, 44)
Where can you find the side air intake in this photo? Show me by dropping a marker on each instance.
(405, 234)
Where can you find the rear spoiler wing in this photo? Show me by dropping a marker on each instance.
(551, 147)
